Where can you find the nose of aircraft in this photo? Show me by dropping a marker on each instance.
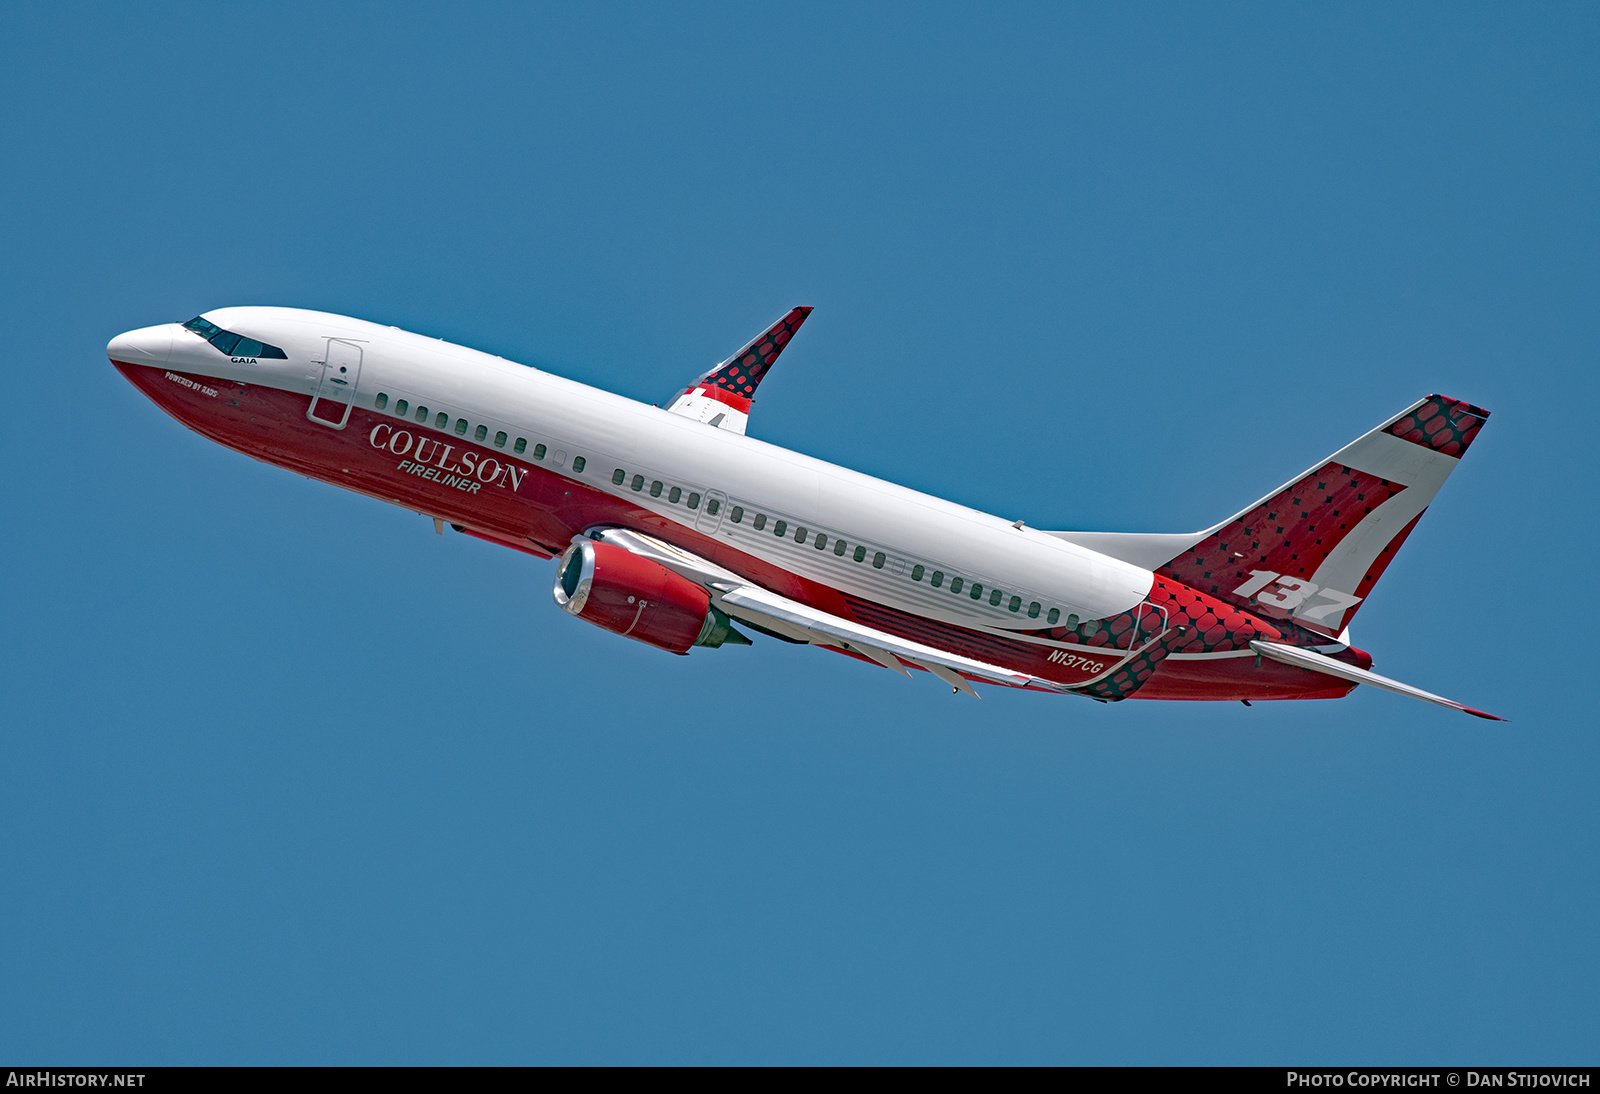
(145, 346)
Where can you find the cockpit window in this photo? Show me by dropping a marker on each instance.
(234, 345)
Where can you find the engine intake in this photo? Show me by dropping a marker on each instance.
(614, 588)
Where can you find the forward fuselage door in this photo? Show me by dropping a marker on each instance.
(336, 387)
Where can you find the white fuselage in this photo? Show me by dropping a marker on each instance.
(915, 533)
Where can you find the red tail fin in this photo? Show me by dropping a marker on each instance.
(1313, 550)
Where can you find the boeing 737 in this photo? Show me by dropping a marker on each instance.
(674, 528)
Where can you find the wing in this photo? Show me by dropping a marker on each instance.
(722, 396)
(767, 611)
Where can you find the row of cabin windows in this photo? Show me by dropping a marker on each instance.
(402, 409)
(673, 494)
(780, 528)
(1013, 603)
(819, 540)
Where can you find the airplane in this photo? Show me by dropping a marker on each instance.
(671, 526)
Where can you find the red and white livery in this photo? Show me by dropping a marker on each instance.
(674, 528)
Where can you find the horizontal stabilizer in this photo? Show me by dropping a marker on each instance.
(1317, 662)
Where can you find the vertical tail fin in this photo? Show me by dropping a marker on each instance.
(1313, 550)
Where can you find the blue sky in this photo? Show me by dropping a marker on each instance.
(285, 777)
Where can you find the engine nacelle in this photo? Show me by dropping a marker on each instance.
(614, 588)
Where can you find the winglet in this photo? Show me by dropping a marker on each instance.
(722, 395)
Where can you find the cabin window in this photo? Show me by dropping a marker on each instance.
(674, 494)
(500, 439)
(637, 483)
(736, 514)
(655, 489)
(1015, 605)
(694, 500)
(955, 584)
(1091, 628)
(381, 401)
(937, 579)
(461, 427)
(713, 507)
(442, 419)
(916, 573)
(822, 541)
(539, 451)
(861, 554)
(781, 527)
(521, 446)
(422, 413)
(878, 560)
(977, 591)
(480, 433)
(994, 597)
(401, 407)
(578, 464)
(760, 522)
(617, 476)
(1054, 616)
(839, 547)
(1033, 610)
(799, 535)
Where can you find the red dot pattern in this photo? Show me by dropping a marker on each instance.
(744, 370)
(1443, 424)
(1196, 623)
(1290, 534)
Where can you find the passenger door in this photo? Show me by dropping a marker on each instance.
(336, 387)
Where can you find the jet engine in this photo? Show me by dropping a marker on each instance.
(614, 588)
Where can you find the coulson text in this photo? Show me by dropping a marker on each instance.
(430, 459)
